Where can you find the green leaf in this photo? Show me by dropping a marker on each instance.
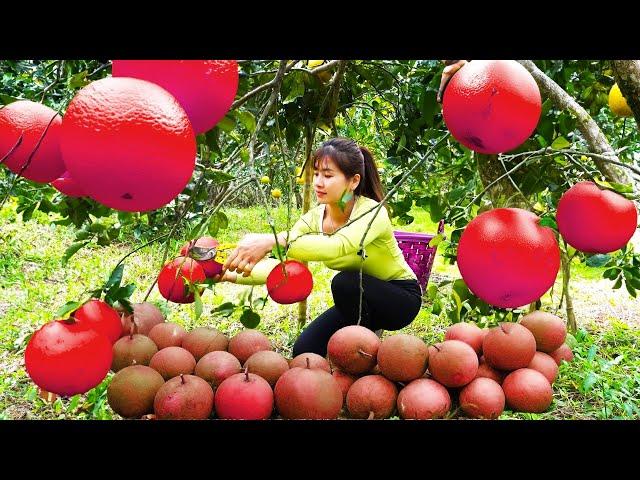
(225, 309)
(458, 303)
(125, 292)
(437, 307)
(67, 308)
(435, 241)
(28, 212)
(115, 278)
(560, 143)
(256, 302)
(69, 252)
(548, 222)
(634, 282)
(82, 234)
(545, 129)
(214, 226)
(223, 219)
(589, 381)
(611, 273)
(592, 353)
(432, 292)
(618, 284)
(79, 80)
(296, 89)
(7, 99)
(598, 260)
(249, 318)
(227, 124)
(630, 289)
(247, 119)
(219, 176)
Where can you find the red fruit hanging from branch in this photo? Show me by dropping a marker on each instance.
(205, 88)
(67, 357)
(506, 258)
(101, 317)
(595, 221)
(29, 151)
(171, 279)
(492, 106)
(290, 284)
(128, 144)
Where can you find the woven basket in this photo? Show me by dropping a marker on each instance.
(417, 253)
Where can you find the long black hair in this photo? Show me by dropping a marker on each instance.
(351, 159)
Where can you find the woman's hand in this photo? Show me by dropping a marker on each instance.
(452, 66)
(226, 277)
(250, 250)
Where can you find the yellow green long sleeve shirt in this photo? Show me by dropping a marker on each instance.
(339, 251)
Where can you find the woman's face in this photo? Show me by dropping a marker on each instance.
(329, 182)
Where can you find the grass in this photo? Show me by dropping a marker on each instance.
(602, 382)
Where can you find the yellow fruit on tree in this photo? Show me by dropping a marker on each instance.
(617, 103)
(276, 193)
(298, 171)
(300, 180)
(265, 180)
(584, 158)
(314, 63)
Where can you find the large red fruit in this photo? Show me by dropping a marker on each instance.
(67, 185)
(453, 363)
(244, 396)
(308, 393)
(492, 106)
(482, 398)
(423, 399)
(205, 88)
(66, 357)
(171, 283)
(506, 258)
(595, 221)
(101, 317)
(291, 287)
(527, 390)
(509, 346)
(128, 144)
(210, 267)
(466, 332)
(30, 120)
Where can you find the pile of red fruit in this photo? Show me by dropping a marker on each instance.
(162, 371)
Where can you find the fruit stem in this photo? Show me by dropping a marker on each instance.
(308, 363)
(502, 328)
(182, 378)
(71, 320)
(371, 415)
(436, 347)
(246, 374)
(362, 352)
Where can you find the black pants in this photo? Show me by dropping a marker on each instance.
(390, 305)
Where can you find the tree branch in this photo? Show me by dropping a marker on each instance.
(261, 88)
(589, 129)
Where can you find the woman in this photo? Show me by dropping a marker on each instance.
(392, 296)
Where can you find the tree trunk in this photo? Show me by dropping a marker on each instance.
(306, 204)
(566, 276)
(589, 129)
(627, 76)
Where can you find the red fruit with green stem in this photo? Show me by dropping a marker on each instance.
(289, 284)
(67, 357)
(171, 279)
